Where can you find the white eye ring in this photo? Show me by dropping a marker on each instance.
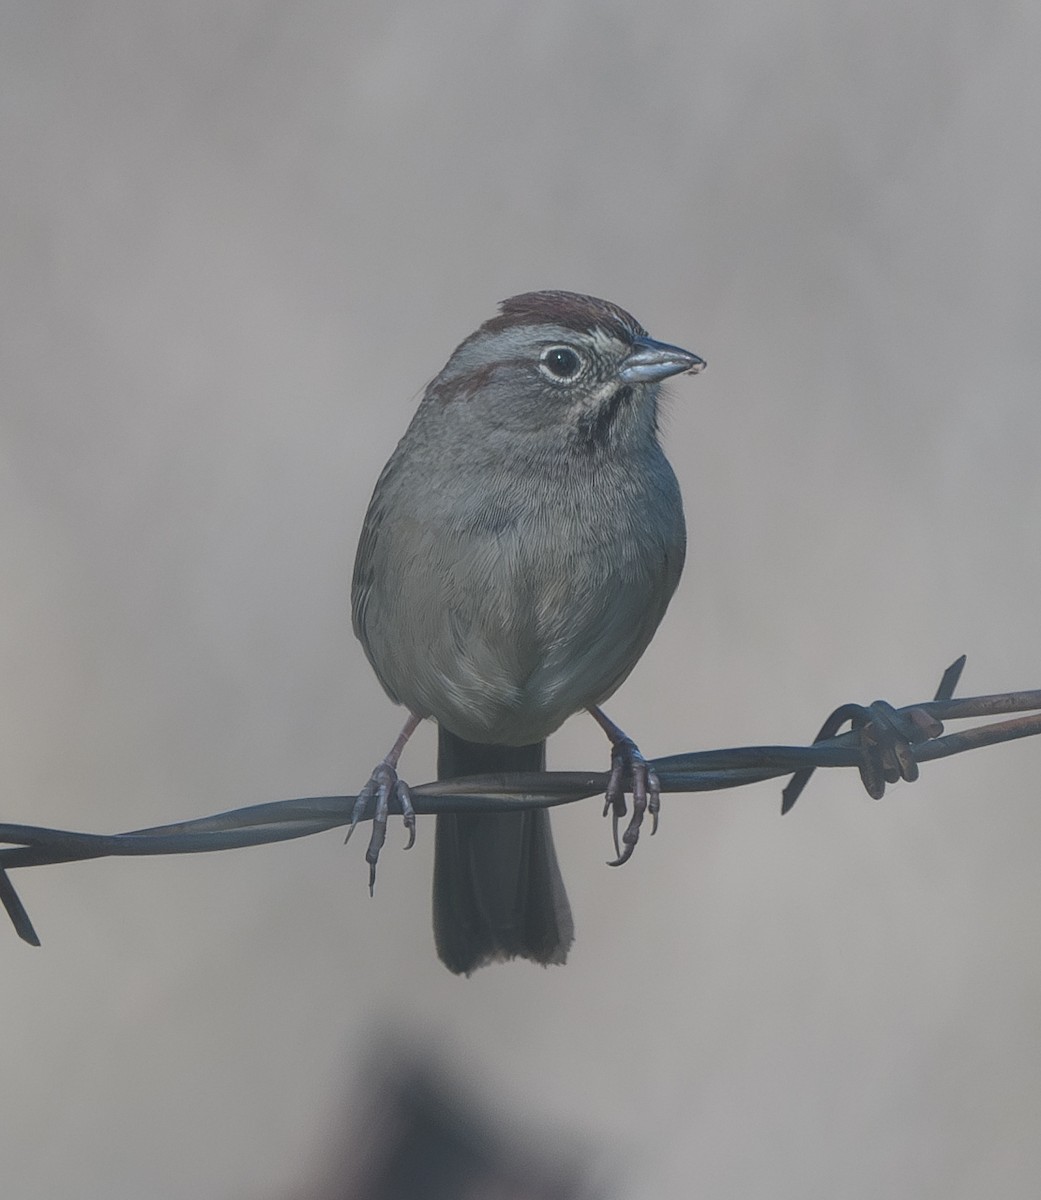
(561, 364)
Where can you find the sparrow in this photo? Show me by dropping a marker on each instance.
(519, 551)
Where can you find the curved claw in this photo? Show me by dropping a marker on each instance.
(614, 801)
(653, 797)
(408, 813)
(624, 856)
(360, 804)
(379, 822)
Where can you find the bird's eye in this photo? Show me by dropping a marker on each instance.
(561, 364)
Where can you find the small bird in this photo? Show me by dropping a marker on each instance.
(519, 551)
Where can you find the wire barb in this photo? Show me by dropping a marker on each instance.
(886, 737)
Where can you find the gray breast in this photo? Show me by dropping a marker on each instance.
(502, 611)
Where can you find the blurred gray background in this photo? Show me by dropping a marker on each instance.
(237, 240)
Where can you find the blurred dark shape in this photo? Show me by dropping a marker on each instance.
(414, 1133)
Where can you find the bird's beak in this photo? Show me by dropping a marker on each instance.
(651, 361)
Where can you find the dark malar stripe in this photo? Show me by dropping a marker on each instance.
(595, 427)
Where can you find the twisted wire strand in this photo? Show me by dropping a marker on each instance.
(884, 744)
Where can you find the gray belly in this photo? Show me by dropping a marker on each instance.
(502, 639)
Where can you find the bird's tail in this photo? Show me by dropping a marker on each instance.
(498, 892)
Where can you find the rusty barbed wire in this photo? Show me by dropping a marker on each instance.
(884, 744)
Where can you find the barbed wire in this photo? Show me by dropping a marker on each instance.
(884, 744)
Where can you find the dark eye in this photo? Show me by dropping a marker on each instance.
(560, 363)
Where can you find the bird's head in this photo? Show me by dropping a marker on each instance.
(561, 360)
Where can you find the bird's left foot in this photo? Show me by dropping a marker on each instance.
(629, 771)
(628, 765)
(383, 784)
